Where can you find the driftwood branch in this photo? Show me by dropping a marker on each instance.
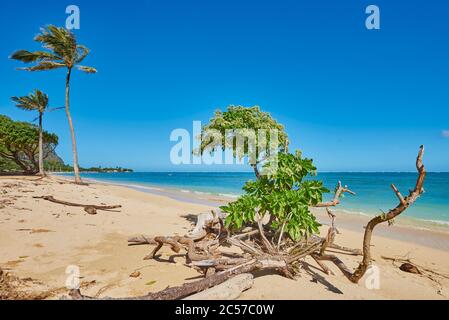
(176, 243)
(331, 234)
(142, 239)
(340, 190)
(89, 208)
(391, 214)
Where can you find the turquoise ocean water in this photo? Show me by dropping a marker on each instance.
(373, 189)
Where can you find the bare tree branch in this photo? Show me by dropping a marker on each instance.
(391, 214)
(340, 190)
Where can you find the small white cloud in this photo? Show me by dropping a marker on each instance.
(445, 133)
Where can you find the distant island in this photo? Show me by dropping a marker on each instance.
(56, 166)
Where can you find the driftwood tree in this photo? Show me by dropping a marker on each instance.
(273, 228)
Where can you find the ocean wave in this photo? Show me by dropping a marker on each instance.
(414, 221)
(138, 186)
(129, 185)
(440, 222)
(229, 195)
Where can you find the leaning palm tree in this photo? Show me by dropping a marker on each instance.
(35, 101)
(62, 52)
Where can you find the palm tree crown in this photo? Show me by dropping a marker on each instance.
(36, 100)
(63, 51)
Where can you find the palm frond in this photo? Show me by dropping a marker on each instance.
(27, 56)
(44, 65)
(87, 69)
(59, 40)
(81, 53)
(25, 103)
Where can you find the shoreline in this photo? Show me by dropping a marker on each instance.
(216, 200)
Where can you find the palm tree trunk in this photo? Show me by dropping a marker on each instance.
(41, 147)
(72, 130)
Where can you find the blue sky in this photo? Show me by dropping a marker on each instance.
(352, 99)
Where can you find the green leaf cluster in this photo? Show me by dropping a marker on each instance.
(284, 194)
(242, 118)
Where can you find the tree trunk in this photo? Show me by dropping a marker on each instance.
(72, 130)
(256, 171)
(41, 147)
(26, 169)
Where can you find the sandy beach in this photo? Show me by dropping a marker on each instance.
(40, 239)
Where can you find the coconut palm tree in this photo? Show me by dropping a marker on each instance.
(35, 101)
(62, 51)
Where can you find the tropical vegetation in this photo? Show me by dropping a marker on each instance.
(19, 145)
(284, 195)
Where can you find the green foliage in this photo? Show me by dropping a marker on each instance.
(19, 143)
(241, 118)
(283, 194)
(281, 189)
(7, 165)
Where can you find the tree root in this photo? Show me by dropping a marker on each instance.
(89, 208)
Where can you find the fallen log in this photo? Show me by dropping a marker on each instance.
(89, 208)
(229, 290)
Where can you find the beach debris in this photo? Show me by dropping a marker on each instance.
(135, 274)
(89, 208)
(150, 283)
(410, 268)
(432, 275)
(264, 249)
(22, 209)
(15, 288)
(40, 231)
(34, 230)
